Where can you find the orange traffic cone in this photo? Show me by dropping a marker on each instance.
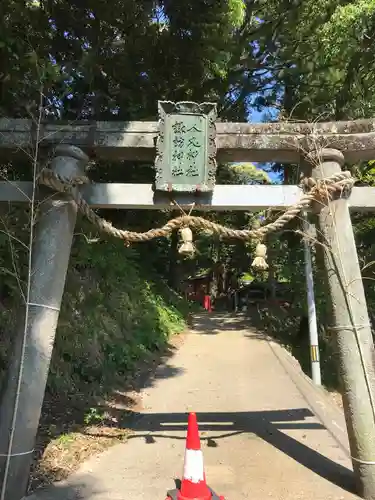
(193, 484)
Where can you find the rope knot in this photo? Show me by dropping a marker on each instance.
(307, 184)
(325, 190)
(59, 183)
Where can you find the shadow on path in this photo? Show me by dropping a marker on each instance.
(268, 425)
(72, 491)
(214, 323)
(66, 413)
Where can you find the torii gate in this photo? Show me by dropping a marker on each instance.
(323, 147)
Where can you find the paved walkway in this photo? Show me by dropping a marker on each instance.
(267, 432)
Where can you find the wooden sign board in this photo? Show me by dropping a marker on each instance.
(186, 147)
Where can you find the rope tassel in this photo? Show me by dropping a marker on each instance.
(259, 262)
(187, 247)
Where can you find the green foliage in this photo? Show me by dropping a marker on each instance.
(92, 61)
(349, 22)
(113, 315)
(283, 322)
(93, 416)
(237, 11)
(116, 311)
(285, 326)
(242, 173)
(320, 56)
(365, 173)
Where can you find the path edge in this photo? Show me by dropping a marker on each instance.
(315, 396)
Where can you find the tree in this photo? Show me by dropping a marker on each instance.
(320, 54)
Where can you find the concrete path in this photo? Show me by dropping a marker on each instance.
(267, 432)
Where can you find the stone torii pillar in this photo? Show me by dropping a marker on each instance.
(351, 323)
(23, 393)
